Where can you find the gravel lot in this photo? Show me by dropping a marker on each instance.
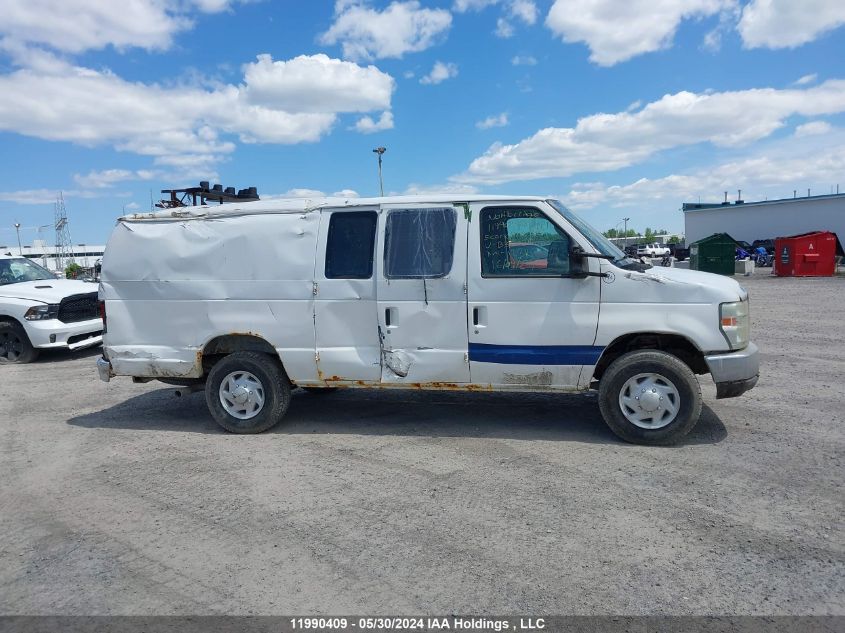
(123, 499)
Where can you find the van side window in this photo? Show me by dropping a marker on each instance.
(349, 246)
(522, 242)
(419, 243)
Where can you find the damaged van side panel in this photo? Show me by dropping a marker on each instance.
(199, 279)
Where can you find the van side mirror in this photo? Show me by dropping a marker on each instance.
(576, 263)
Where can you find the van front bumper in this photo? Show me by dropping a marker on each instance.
(736, 372)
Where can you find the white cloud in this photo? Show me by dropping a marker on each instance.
(617, 31)
(300, 193)
(494, 120)
(439, 73)
(772, 173)
(524, 10)
(462, 6)
(46, 196)
(524, 60)
(30, 196)
(181, 127)
(403, 27)
(110, 177)
(603, 142)
(346, 193)
(415, 189)
(813, 128)
(787, 23)
(313, 193)
(807, 79)
(503, 28)
(74, 26)
(366, 125)
(316, 83)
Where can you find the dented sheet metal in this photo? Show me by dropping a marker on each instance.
(176, 284)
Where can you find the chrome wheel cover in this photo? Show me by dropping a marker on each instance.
(649, 401)
(242, 395)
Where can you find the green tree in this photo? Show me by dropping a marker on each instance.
(72, 270)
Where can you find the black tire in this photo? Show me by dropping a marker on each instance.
(668, 367)
(15, 346)
(274, 384)
(319, 391)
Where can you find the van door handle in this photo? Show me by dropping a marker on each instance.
(479, 316)
(390, 317)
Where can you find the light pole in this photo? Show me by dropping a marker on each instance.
(625, 220)
(380, 151)
(18, 231)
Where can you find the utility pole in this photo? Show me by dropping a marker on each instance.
(626, 230)
(18, 231)
(380, 151)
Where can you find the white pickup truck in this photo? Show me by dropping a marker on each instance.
(38, 311)
(652, 250)
(487, 293)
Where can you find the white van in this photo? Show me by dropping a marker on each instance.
(484, 293)
(38, 311)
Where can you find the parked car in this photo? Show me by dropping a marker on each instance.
(652, 250)
(249, 300)
(38, 311)
(528, 256)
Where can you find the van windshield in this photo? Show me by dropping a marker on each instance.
(13, 271)
(594, 237)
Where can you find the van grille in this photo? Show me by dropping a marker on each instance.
(79, 308)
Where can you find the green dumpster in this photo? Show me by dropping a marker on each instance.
(713, 254)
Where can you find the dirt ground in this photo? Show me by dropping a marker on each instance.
(123, 499)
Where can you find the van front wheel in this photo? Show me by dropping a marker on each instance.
(649, 397)
(247, 392)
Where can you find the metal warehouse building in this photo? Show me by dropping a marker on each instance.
(751, 221)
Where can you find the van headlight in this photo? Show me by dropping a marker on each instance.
(735, 323)
(43, 312)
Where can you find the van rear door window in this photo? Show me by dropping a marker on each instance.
(350, 245)
(419, 243)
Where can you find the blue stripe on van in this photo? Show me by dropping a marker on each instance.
(535, 354)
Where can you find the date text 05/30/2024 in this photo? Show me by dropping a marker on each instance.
(451, 623)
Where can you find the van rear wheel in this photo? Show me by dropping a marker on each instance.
(650, 397)
(247, 392)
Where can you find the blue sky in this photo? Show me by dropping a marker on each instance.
(619, 108)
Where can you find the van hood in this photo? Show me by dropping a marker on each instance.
(47, 290)
(719, 287)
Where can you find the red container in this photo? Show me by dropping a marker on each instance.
(806, 255)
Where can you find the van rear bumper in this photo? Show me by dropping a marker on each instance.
(736, 372)
(104, 369)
